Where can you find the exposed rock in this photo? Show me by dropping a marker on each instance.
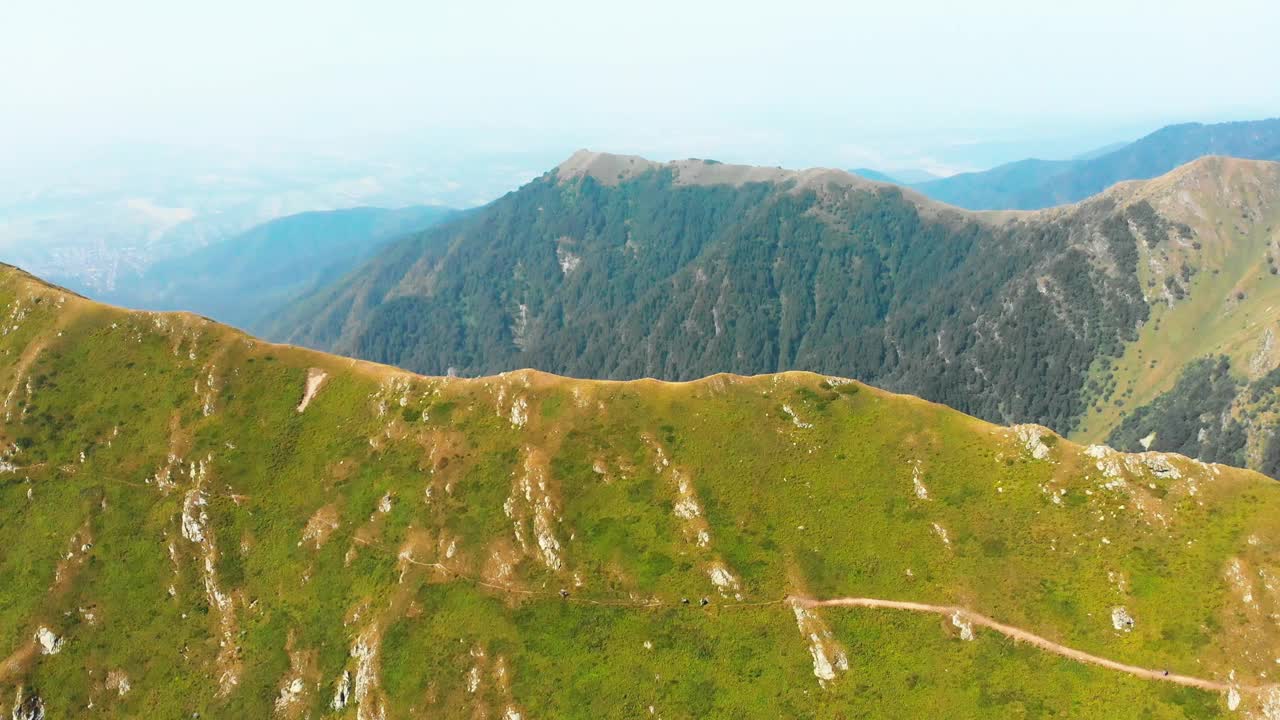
(27, 706)
(917, 481)
(686, 508)
(1271, 704)
(795, 419)
(315, 378)
(1159, 465)
(195, 528)
(828, 657)
(568, 261)
(50, 644)
(722, 578)
(1032, 438)
(942, 534)
(534, 503)
(289, 694)
(117, 680)
(1241, 583)
(365, 651)
(519, 412)
(1264, 359)
(342, 693)
(1121, 620)
(520, 326)
(194, 517)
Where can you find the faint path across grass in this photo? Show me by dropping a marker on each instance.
(1022, 636)
(1014, 633)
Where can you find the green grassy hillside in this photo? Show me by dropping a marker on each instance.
(1214, 291)
(1210, 413)
(194, 521)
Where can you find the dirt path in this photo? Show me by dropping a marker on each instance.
(1009, 631)
(1023, 636)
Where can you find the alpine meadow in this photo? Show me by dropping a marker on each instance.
(677, 360)
(315, 536)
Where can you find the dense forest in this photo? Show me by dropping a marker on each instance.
(653, 277)
(1209, 414)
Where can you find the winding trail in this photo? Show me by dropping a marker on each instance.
(1021, 635)
(1014, 633)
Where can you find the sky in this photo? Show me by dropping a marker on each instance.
(943, 86)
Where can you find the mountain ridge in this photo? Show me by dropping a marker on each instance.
(611, 169)
(605, 167)
(1034, 183)
(396, 544)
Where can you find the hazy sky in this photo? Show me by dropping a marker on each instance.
(800, 82)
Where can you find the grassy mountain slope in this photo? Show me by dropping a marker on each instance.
(243, 279)
(194, 521)
(1214, 293)
(1210, 413)
(1031, 184)
(199, 522)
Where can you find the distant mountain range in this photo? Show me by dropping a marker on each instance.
(1032, 184)
(241, 280)
(97, 223)
(899, 177)
(617, 267)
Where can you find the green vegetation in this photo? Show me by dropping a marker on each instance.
(1212, 297)
(651, 277)
(1212, 415)
(192, 542)
(1071, 318)
(1192, 419)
